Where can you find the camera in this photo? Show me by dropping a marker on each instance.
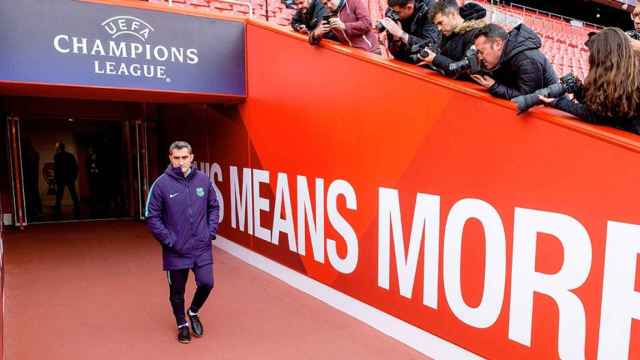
(634, 34)
(388, 14)
(469, 64)
(421, 51)
(327, 17)
(568, 84)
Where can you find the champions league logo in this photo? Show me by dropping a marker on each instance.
(121, 25)
(128, 50)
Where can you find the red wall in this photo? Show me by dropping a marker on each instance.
(323, 114)
(367, 125)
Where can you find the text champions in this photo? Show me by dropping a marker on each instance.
(66, 44)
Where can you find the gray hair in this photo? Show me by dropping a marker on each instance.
(177, 145)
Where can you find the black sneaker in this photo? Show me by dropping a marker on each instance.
(196, 325)
(184, 336)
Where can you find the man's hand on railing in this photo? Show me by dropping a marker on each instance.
(484, 80)
(301, 29)
(316, 35)
(321, 29)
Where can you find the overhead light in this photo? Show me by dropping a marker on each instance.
(71, 119)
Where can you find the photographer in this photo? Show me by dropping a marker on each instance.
(610, 93)
(514, 60)
(308, 15)
(635, 33)
(349, 23)
(635, 17)
(410, 29)
(458, 33)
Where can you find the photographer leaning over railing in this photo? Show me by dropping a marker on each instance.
(514, 61)
(308, 15)
(611, 91)
(409, 28)
(458, 33)
(347, 21)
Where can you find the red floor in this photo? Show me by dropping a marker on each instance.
(96, 291)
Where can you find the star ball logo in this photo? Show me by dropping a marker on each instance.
(128, 52)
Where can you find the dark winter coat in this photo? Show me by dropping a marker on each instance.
(65, 167)
(309, 18)
(454, 46)
(581, 111)
(421, 32)
(183, 213)
(523, 68)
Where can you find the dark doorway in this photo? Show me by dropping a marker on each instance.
(73, 159)
(73, 169)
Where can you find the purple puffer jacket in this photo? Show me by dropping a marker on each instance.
(182, 214)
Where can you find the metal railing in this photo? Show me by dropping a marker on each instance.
(515, 8)
(237, 2)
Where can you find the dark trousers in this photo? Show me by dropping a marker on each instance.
(177, 283)
(72, 191)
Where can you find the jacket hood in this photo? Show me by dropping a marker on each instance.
(469, 25)
(176, 172)
(520, 39)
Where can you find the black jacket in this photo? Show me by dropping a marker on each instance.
(634, 34)
(523, 68)
(65, 167)
(309, 18)
(454, 46)
(421, 32)
(581, 111)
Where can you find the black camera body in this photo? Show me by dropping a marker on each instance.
(388, 14)
(421, 51)
(569, 84)
(469, 64)
(327, 17)
(634, 34)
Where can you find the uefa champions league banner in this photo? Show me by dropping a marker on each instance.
(87, 44)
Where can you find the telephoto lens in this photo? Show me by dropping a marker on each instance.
(568, 84)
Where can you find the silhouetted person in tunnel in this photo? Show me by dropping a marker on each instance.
(66, 173)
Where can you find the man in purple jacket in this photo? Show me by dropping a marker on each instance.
(182, 213)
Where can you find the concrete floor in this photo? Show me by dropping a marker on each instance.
(96, 291)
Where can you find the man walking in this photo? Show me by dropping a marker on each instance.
(182, 213)
(66, 173)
